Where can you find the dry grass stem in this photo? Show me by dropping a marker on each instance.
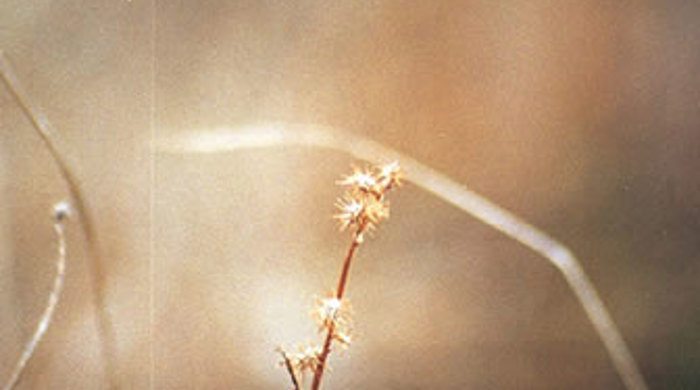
(227, 139)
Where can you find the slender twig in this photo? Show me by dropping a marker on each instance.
(271, 135)
(340, 290)
(60, 214)
(290, 369)
(44, 129)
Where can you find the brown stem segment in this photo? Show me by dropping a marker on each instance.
(290, 369)
(340, 290)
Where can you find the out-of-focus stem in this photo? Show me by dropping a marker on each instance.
(46, 317)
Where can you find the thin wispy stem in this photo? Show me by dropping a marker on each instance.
(61, 212)
(275, 135)
(290, 368)
(44, 129)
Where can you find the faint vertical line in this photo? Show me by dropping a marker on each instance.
(151, 201)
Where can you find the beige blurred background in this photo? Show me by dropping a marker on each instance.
(581, 116)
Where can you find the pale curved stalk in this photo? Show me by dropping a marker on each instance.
(46, 317)
(225, 139)
(45, 131)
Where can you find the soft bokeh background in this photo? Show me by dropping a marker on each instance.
(581, 116)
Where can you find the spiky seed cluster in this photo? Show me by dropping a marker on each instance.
(333, 314)
(363, 206)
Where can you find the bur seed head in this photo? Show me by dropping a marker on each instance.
(62, 211)
(363, 206)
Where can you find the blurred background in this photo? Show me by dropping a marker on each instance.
(583, 117)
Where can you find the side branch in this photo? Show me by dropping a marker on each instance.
(290, 369)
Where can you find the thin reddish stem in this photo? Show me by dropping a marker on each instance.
(340, 290)
(290, 369)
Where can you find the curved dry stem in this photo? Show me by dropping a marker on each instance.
(45, 321)
(43, 127)
(271, 135)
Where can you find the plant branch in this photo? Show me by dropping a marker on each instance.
(290, 369)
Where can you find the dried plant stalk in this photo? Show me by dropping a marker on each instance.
(361, 209)
(275, 135)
